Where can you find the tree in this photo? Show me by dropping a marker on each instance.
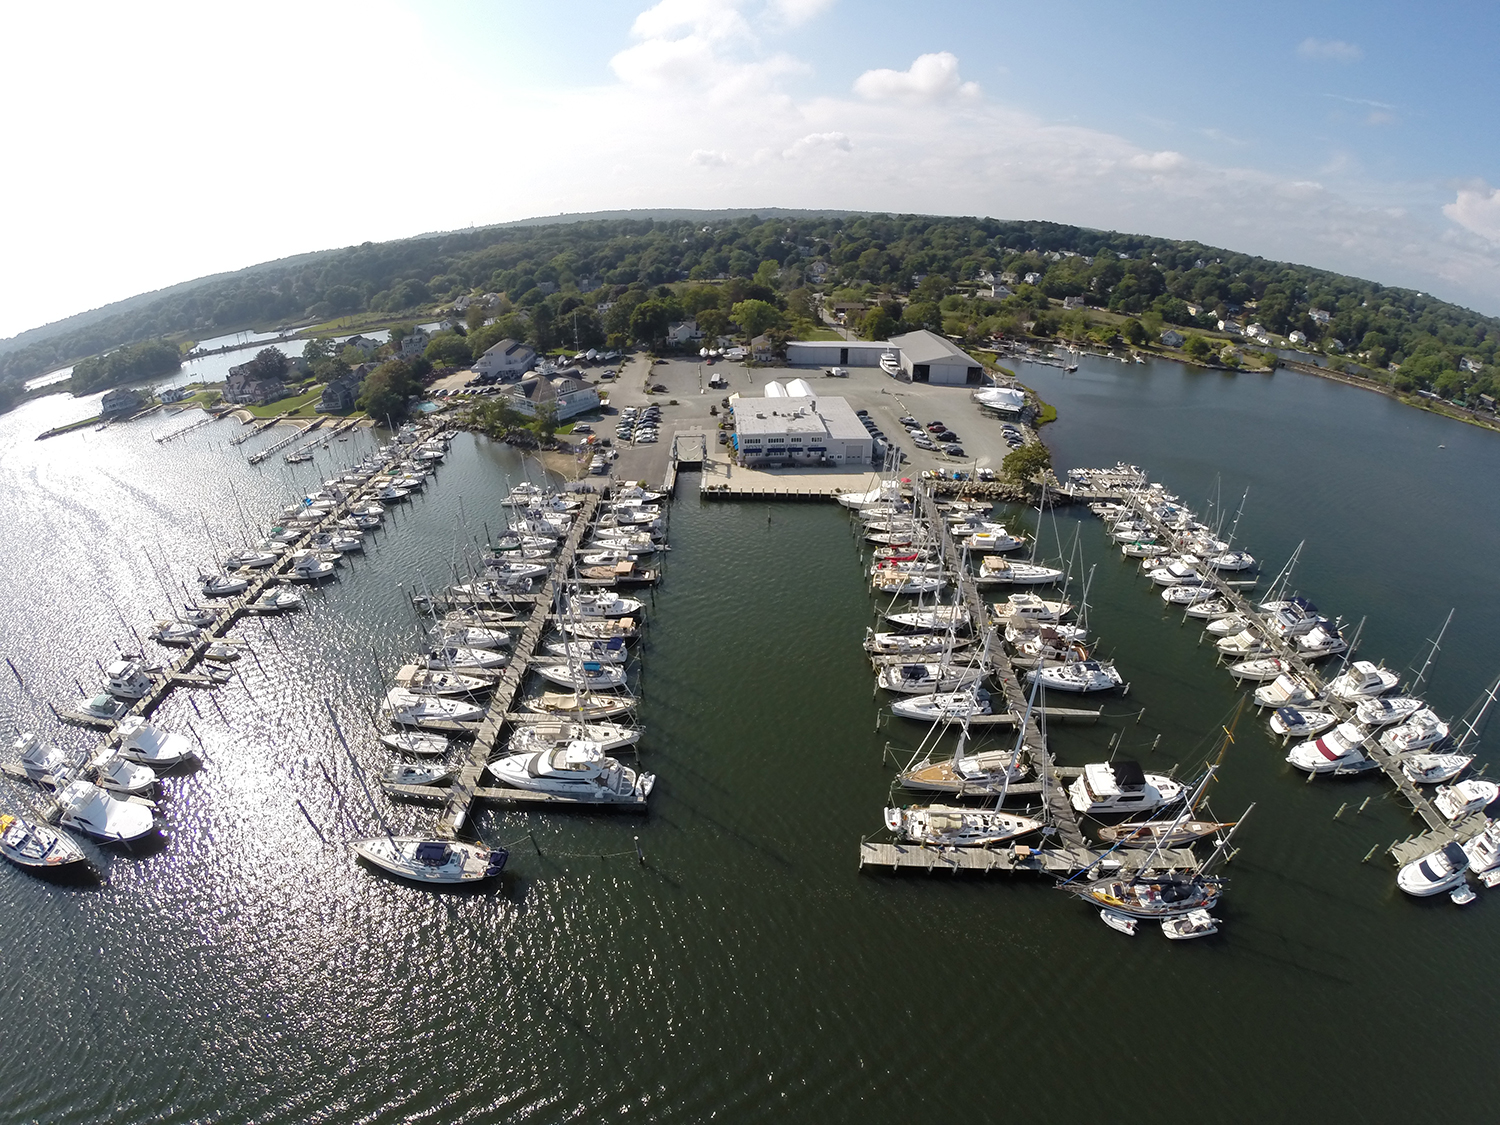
(877, 325)
(448, 349)
(475, 315)
(1197, 347)
(713, 323)
(1133, 331)
(755, 317)
(1026, 462)
(385, 390)
(649, 321)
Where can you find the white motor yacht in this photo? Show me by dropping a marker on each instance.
(927, 678)
(1121, 786)
(588, 675)
(95, 812)
(276, 600)
(144, 743)
(1463, 798)
(1260, 669)
(432, 862)
(1362, 680)
(1284, 691)
(119, 774)
(1138, 549)
(1323, 639)
(1340, 749)
(1077, 676)
(1002, 572)
(602, 603)
(1245, 643)
(1227, 626)
(1443, 870)
(575, 771)
(1031, 608)
(599, 628)
(951, 826)
(1434, 769)
(515, 570)
(1484, 853)
(250, 558)
(42, 761)
(311, 567)
(1178, 572)
(991, 541)
(1422, 730)
(102, 706)
(126, 679)
(1300, 722)
(1383, 710)
(1291, 617)
(943, 706)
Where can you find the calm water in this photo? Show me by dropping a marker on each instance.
(245, 972)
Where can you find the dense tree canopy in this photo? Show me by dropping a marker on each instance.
(136, 361)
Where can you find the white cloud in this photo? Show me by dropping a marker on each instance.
(794, 13)
(1335, 50)
(819, 142)
(708, 158)
(1477, 210)
(1158, 161)
(930, 78)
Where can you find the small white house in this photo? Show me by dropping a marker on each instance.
(1032, 278)
(683, 332)
(414, 343)
(1320, 316)
(508, 359)
(1297, 338)
(1172, 338)
(363, 344)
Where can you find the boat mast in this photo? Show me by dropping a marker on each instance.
(1472, 727)
(1431, 655)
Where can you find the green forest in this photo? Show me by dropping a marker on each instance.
(597, 283)
(134, 361)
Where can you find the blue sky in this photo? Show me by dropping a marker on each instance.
(172, 140)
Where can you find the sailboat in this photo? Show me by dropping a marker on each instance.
(37, 846)
(971, 774)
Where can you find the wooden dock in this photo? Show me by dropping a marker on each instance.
(1056, 861)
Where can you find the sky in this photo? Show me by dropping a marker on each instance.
(157, 142)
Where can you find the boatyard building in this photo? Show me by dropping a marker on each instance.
(802, 430)
(927, 357)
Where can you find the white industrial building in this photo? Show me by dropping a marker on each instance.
(835, 353)
(927, 357)
(799, 430)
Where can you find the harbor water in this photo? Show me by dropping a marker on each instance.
(246, 971)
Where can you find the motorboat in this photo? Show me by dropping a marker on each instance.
(276, 600)
(1247, 642)
(176, 633)
(1178, 572)
(341, 542)
(452, 658)
(1211, 610)
(250, 559)
(311, 567)
(951, 826)
(583, 706)
(575, 771)
(1187, 595)
(144, 743)
(119, 774)
(599, 628)
(1291, 617)
(1121, 923)
(1362, 680)
(1260, 669)
(991, 541)
(1193, 924)
(126, 680)
(1148, 897)
(436, 681)
(943, 706)
(1285, 690)
(39, 847)
(431, 862)
(1434, 769)
(1032, 608)
(927, 677)
(1443, 870)
(223, 585)
(529, 738)
(1077, 676)
(1323, 639)
(1383, 710)
(1484, 854)
(1340, 749)
(1144, 549)
(87, 808)
(612, 651)
(1422, 730)
(200, 615)
(41, 761)
(411, 773)
(408, 709)
(1121, 786)
(1003, 572)
(937, 619)
(1464, 798)
(103, 706)
(1227, 626)
(1232, 560)
(1300, 722)
(587, 675)
(222, 652)
(601, 603)
(423, 744)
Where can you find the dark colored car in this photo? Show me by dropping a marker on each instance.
(954, 450)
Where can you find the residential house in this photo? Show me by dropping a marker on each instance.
(246, 385)
(121, 400)
(1320, 316)
(1298, 338)
(568, 394)
(1172, 338)
(1072, 302)
(414, 343)
(340, 394)
(683, 332)
(363, 343)
(1257, 333)
(1231, 327)
(1032, 278)
(818, 271)
(508, 359)
(1471, 364)
(761, 350)
(172, 394)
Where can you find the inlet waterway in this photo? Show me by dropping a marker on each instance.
(244, 971)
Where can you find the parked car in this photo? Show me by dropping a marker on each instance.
(953, 450)
(582, 428)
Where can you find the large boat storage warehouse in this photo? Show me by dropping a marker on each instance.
(927, 357)
(799, 431)
(835, 353)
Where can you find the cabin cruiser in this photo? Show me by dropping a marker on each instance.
(102, 706)
(1260, 669)
(528, 738)
(574, 771)
(987, 541)
(1422, 730)
(409, 709)
(125, 679)
(1299, 722)
(1193, 924)
(167, 632)
(119, 774)
(1433, 769)
(1291, 617)
(453, 658)
(602, 603)
(1227, 626)
(1323, 639)
(1077, 676)
(1121, 786)
(1383, 710)
(39, 846)
(1149, 549)
(276, 600)
(1212, 610)
(1178, 572)
(311, 567)
(42, 761)
(144, 743)
(1003, 572)
(588, 675)
(1443, 870)
(1484, 853)
(427, 861)
(222, 585)
(1362, 680)
(1031, 608)
(952, 826)
(943, 706)
(1340, 749)
(251, 559)
(612, 651)
(1247, 642)
(91, 810)
(937, 619)
(1462, 798)
(1284, 691)
(927, 678)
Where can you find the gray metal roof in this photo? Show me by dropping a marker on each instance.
(923, 346)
